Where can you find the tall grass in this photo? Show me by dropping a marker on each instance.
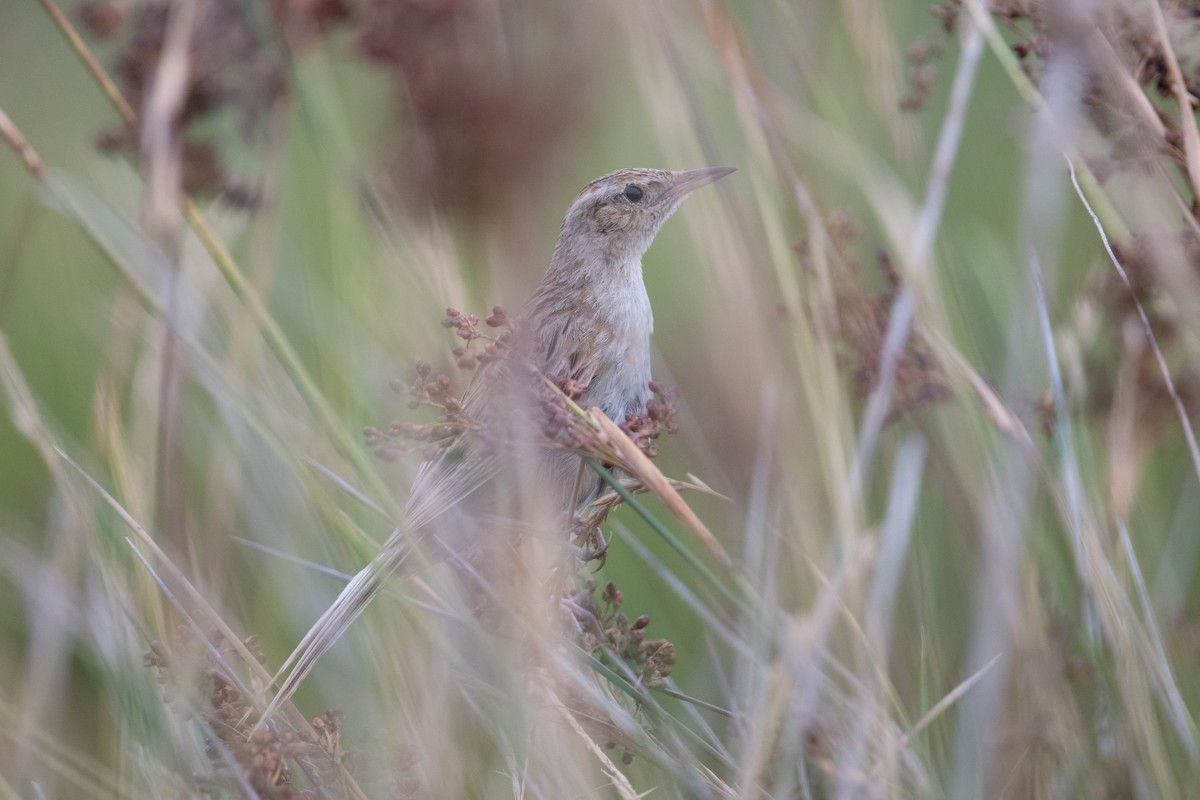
(938, 366)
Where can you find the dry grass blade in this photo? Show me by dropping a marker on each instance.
(211, 617)
(325, 633)
(1147, 329)
(940, 469)
(242, 286)
(1166, 685)
(943, 705)
(1183, 96)
(21, 146)
(646, 471)
(1001, 416)
(226, 668)
(90, 62)
(620, 783)
(23, 410)
(90, 777)
(917, 253)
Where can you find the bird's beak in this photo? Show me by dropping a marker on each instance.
(685, 182)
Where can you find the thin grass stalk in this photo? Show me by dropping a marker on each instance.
(243, 289)
(209, 614)
(917, 254)
(664, 533)
(1185, 421)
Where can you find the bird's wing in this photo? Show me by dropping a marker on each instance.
(567, 349)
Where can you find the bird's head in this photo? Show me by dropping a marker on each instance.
(617, 215)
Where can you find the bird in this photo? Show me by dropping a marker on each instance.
(589, 321)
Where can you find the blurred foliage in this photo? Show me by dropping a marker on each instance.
(995, 594)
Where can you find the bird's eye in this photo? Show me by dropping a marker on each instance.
(633, 193)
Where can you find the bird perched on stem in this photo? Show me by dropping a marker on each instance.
(589, 324)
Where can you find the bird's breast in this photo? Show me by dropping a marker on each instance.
(620, 386)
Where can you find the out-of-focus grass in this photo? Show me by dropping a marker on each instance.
(991, 593)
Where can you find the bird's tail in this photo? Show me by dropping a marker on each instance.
(325, 632)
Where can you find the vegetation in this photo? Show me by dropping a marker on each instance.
(931, 353)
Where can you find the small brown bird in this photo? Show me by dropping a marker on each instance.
(590, 322)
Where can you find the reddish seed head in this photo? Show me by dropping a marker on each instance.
(498, 318)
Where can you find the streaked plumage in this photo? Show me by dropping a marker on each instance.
(589, 320)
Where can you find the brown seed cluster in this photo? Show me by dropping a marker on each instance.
(921, 61)
(552, 406)
(435, 390)
(1116, 357)
(605, 632)
(918, 379)
(195, 685)
(234, 70)
(429, 390)
(1139, 135)
(466, 327)
(861, 322)
(552, 400)
(658, 418)
(489, 91)
(1139, 140)
(561, 424)
(480, 113)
